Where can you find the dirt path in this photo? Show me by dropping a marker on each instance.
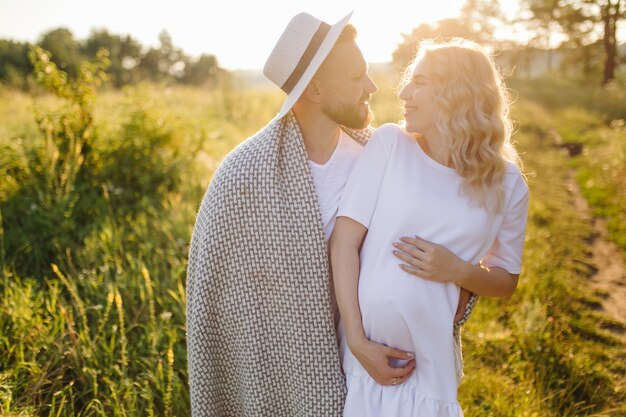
(609, 275)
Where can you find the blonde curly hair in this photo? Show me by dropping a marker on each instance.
(471, 111)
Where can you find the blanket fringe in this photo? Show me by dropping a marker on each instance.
(458, 354)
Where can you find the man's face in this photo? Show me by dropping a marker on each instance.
(346, 87)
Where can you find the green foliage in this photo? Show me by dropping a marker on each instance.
(101, 332)
(52, 210)
(78, 346)
(583, 23)
(542, 353)
(105, 338)
(65, 185)
(477, 21)
(593, 119)
(128, 63)
(63, 48)
(14, 63)
(144, 161)
(441, 30)
(203, 70)
(602, 104)
(124, 53)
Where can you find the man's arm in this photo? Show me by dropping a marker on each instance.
(464, 299)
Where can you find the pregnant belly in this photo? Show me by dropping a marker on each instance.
(401, 311)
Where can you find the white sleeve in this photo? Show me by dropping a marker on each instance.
(506, 251)
(361, 192)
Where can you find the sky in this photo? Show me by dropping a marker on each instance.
(240, 33)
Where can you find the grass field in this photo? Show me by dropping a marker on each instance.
(97, 215)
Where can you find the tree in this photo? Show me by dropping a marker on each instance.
(580, 21)
(201, 71)
(446, 28)
(482, 17)
(165, 62)
(477, 21)
(611, 11)
(124, 54)
(14, 63)
(64, 49)
(129, 62)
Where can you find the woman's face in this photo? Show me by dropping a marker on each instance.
(418, 101)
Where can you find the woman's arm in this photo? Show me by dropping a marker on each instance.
(434, 262)
(345, 243)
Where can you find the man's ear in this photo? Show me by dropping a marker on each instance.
(312, 92)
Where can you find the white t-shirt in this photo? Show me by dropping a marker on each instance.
(395, 190)
(330, 178)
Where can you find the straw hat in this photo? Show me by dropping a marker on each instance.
(298, 54)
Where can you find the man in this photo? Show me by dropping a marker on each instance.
(261, 320)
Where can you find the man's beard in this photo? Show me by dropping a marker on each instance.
(348, 115)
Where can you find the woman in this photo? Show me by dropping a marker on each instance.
(449, 175)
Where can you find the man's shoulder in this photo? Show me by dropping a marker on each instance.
(252, 148)
(249, 156)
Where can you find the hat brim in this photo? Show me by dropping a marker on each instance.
(325, 47)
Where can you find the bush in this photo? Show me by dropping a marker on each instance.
(57, 199)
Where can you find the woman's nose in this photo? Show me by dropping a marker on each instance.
(404, 93)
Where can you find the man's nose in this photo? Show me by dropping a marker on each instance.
(371, 87)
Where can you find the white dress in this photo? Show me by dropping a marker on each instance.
(394, 190)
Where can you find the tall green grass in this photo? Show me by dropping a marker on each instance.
(94, 325)
(593, 120)
(97, 329)
(545, 352)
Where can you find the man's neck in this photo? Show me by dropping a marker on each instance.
(320, 134)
